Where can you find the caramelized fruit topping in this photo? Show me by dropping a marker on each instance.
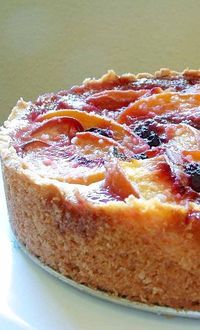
(138, 137)
(57, 126)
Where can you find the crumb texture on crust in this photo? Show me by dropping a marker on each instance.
(102, 184)
(104, 255)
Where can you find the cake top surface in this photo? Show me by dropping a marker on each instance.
(117, 137)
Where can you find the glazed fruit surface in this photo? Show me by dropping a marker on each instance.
(119, 138)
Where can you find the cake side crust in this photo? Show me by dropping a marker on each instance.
(79, 244)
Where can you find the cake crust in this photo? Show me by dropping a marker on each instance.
(151, 245)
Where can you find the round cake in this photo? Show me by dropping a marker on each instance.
(103, 184)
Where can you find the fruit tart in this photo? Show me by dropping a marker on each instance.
(103, 184)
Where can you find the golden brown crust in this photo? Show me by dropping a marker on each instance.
(105, 247)
(106, 252)
(162, 73)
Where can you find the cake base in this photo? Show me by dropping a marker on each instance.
(165, 311)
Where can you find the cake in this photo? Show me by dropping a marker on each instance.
(102, 184)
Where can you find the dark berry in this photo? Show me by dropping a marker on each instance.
(193, 170)
(81, 160)
(118, 154)
(100, 131)
(140, 156)
(148, 135)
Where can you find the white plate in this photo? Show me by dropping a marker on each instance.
(30, 298)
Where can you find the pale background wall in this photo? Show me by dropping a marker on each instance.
(50, 45)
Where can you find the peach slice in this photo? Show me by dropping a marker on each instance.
(154, 152)
(121, 133)
(34, 144)
(87, 120)
(185, 138)
(194, 155)
(114, 99)
(150, 177)
(118, 183)
(98, 146)
(159, 104)
(56, 126)
(98, 141)
(86, 177)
